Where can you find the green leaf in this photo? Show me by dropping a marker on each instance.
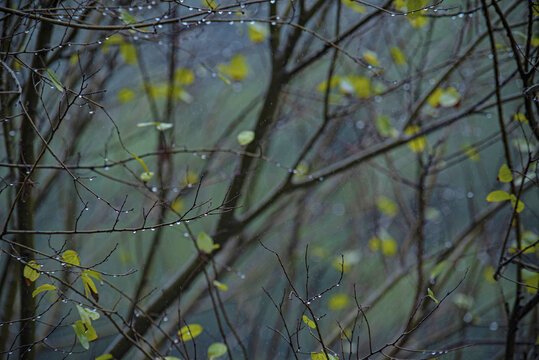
(31, 271)
(146, 176)
(322, 356)
(417, 144)
(450, 97)
(45, 287)
(309, 322)
(127, 18)
(338, 301)
(216, 350)
(89, 286)
(94, 274)
(189, 332)
(55, 80)
(389, 246)
(431, 295)
(371, 58)
(84, 317)
(498, 195)
(163, 126)
(471, 152)
(205, 243)
(354, 6)
(504, 174)
(125, 95)
(246, 137)
(70, 257)
(79, 331)
(438, 269)
(383, 125)
(184, 76)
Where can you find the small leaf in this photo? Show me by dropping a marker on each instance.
(70, 257)
(141, 162)
(504, 174)
(309, 322)
(431, 295)
(177, 205)
(129, 53)
(94, 274)
(31, 271)
(434, 97)
(246, 137)
(84, 317)
(488, 274)
(417, 144)
(450, 97)
(105, 357)
(205, 243)
(498, 195)
(45, 287)
(125, 95)
(354, 6)
(471, 152)
(389, 246)
(398, 56)
(387, 206)
(163, 126)
(189, 332)
(237, 69)
(190, 178)
(146, 176)
(219, 285)
(55, 80)
(371, 58)
(338, 301)
(127, 18)
(216, 350)
(521, 117)
(374, 244)
(89, 286)
(518, 207)
(79, 331)
(322, 356)
(184, 76)
(438, 269)
(210, 4)
(383, 125)
(257, 32)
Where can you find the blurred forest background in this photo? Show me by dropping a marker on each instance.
(269, 179)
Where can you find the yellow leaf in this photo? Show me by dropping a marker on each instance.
(521, 117)
(205, 243)
(210, 4)
(417, 144)
(105, 357)
(471, 152)
(389, 246)
(89, 286)
(498, 195)
(129, 53)
(387, 206)
(518, 207)
(417, 20)
(177, 205)
(190, 178)
(70, 257)
(434, 98)
(302, 170)
(333, 82)
(374, 244)
(125, 95)
(371, 58)
(397, 55)
(488, 274)
(354, 6)
(309, 322)
(189, 332)
(31, 271)
(237, 69)
(219, 285)
(94, 274)
(535, 41)
(383, 125)
(184, 76)
(531, 279)
(257, 32)
(338, 301)
(45, 287)
(359, 85)
(504, 174)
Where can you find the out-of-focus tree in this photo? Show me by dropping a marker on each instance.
(269, 179)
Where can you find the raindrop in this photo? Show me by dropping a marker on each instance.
(134, 231)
